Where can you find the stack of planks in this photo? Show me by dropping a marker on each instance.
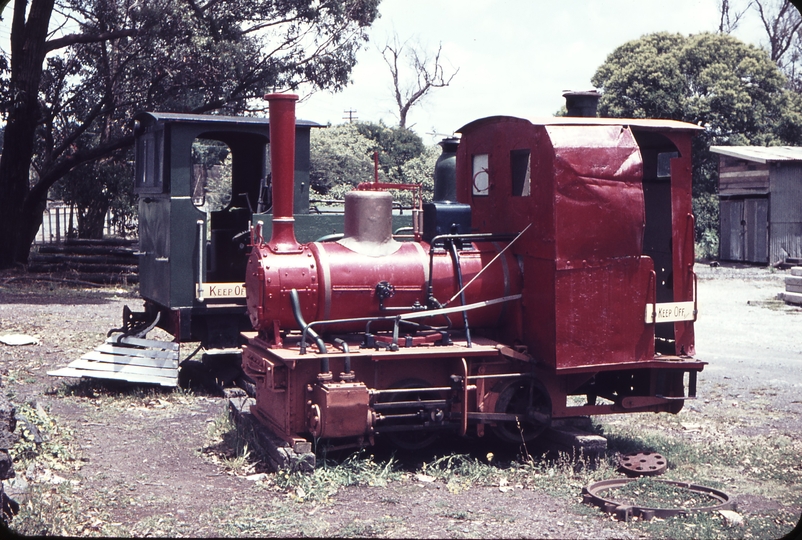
(127, 358)
(793, 286)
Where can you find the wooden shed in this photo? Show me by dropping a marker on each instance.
(760, 194)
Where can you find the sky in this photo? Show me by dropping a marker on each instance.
(515, 57)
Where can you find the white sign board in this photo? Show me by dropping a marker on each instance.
(211, 291)
(670, 312)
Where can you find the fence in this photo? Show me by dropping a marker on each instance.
(60, 222)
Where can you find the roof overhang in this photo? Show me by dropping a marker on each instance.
(761, 154)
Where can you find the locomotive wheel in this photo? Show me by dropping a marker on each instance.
(530, 399)
(413, 439)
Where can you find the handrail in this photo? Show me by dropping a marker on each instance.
(201, 246)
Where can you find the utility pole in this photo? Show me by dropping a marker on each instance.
(351, 116)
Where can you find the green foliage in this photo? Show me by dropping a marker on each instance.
(706, 212)
(126, 56)
(420, 170)
(211, 174)
(731, 89)
(342, 157)
(396, 146)
(95, 188)
(329, 477)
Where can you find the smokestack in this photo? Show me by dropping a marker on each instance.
(282, 164)
(581, 103)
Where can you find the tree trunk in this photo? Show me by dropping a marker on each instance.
(17, 208)
(92, 220)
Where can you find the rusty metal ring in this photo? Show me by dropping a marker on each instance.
(590, 495)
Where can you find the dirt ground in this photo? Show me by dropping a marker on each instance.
(146, 467)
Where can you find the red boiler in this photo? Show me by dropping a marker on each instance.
(368, 274)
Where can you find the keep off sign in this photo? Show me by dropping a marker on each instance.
(223, 290)
(670, 312)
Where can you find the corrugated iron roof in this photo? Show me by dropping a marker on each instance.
(761, 154)
(213, 118)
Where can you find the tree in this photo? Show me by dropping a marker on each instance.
(427, 73)
(730, 16)
(342, 157)
(781, 22)
(783, 25)
(74, 108)
(730, 88)
(396, 146)
(93, 188)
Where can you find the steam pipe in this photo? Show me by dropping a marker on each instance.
(348, 373)
(458, 268)
(282, 163)
(299, 318)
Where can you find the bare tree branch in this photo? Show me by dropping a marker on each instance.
(730, 17)
(428, 73)
(781, 25)
(74, 39)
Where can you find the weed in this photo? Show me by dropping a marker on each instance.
(463, 469)
(227, 447)
(362, 528)
(329, 477)
(41, 442)
(49, 511)
(713, 525)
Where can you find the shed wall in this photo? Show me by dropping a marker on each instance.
(742, 177)
(785, 215)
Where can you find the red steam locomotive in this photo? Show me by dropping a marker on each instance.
(551, 277)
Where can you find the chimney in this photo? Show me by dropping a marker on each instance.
(282, 164)
(581, 103)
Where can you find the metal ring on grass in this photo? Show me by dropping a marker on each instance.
(623, 512)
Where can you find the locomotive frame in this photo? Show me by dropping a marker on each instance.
(551, 277)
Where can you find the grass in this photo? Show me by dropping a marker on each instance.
(717, 454)
(652, 493)
(44, 456)
(329, 477)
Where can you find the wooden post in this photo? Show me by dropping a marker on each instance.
(58, 226)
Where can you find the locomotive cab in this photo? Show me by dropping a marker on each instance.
(200, 180)
(610, 294)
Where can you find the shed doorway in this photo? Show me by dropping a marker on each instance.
(744, 229)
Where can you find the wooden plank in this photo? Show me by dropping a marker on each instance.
(796, 271)
(149, 379)
(123, 368)
(793, 280)
(271, 448)
(133, 351)
(792, 297)
(152, 343)
(130, 360)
